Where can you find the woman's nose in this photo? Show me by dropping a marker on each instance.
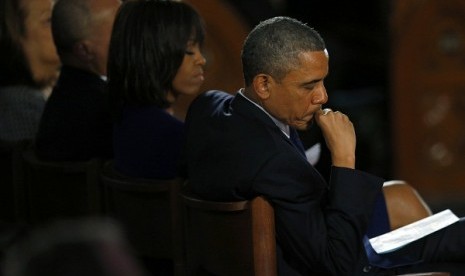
(201, 60)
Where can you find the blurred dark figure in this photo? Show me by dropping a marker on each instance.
(88, 247)
(76, 124)
(29, 66)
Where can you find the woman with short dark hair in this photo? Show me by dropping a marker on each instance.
(155, 56)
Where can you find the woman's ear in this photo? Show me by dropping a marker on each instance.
(261, 85)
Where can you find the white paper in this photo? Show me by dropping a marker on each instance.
(397, 238)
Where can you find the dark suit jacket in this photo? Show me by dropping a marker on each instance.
(76, 124)
(234, 151)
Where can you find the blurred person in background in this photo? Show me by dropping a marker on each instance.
(76, 124)
(85, 246)
(29, 66)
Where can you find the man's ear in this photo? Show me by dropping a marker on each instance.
(261, 85)
(83, 51)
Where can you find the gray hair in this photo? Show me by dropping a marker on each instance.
(273, 47)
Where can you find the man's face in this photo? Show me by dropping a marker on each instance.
(295, 98)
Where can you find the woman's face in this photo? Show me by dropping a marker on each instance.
(189, 76)
(37, 41)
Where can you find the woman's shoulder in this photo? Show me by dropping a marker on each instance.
(22, 98)
(150, 117)
(21, 93)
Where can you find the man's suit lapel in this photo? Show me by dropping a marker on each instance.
(247, 109)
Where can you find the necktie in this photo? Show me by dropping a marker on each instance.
(294, 137)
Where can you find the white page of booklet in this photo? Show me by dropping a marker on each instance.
(409, 233)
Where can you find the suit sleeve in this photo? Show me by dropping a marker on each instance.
(319, 227)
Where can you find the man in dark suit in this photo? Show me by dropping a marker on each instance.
(246, 145)
(76, 124)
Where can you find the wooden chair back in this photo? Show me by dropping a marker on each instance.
(55, 190)
(229, 238)
(233, 238)
(149, 212)
(10, 168)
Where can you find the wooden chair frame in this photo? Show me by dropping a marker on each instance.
(65, 176)
(229, 238)
(11, 170)
(233, 238)
(154, 227)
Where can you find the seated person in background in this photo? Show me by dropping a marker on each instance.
(89, 247)
(28, 68)
(76, 124)
(154, 57)
(243, 146)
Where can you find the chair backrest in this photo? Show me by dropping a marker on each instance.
(229, 238)
(10, 160)
(56, 190)
(149, 212)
